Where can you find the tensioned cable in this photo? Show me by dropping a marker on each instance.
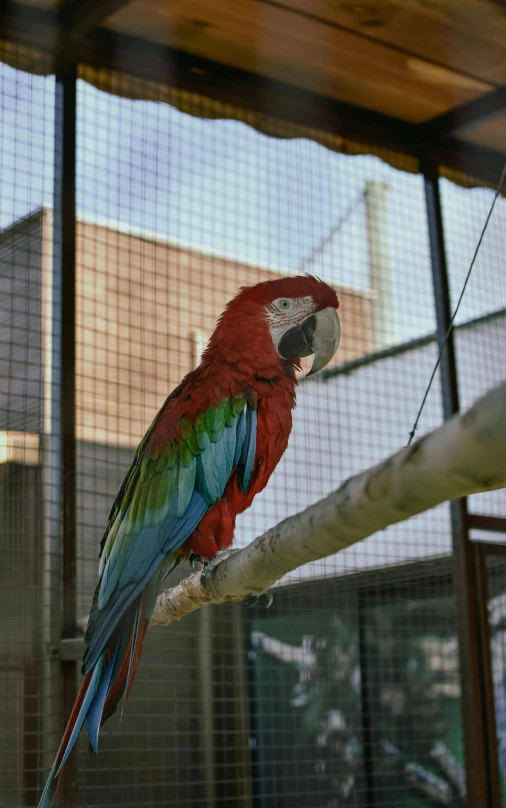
(450, 327)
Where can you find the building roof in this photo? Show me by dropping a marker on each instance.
(310, 264)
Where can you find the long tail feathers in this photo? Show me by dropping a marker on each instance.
(101, 691)
(135, 648)
(97, 705)
(125, 675)
(52, 780)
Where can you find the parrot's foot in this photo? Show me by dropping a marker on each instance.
(194, 560)
(210, 566)
(252, 600)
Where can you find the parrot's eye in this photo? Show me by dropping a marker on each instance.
(283, 303)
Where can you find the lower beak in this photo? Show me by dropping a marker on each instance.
(319, 334)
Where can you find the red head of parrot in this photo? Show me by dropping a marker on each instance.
(278, 322)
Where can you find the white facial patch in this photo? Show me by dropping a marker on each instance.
(282, 317)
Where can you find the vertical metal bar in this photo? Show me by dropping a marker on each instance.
(481, 553)
(30, 480)
(207, 732)
(448, 366)
(466, 585)
(51, 500)
(244, 796)
(64, 250)
(367, 707)
(231, 761)
(252, 700)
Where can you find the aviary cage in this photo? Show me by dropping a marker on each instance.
(143, 182)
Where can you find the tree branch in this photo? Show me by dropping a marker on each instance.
(466, 455)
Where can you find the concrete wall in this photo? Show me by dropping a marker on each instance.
(21, 326)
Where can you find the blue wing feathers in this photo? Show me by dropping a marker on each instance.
(229, 439)
(197, 508)
(215, 465)
(220, 461)
(249, 448)
(185, 488)
(160, 542)
(208, 479)
(235, 447)
(240, 436)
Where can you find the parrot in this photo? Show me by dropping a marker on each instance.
(210, 449)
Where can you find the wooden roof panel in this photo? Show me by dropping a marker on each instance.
(468, 36)
(272, 40)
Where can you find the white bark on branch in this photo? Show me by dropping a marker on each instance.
(466, 455)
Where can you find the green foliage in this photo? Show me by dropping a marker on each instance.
(408, 696)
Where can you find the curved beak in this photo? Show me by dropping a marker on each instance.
(319, 334)
(326, 338)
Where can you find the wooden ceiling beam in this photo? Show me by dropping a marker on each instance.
(475, 161)
(28, 25)
(467, 116)
(79, 17)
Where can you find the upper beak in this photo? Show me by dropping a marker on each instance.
(319, 334)
(325, 341)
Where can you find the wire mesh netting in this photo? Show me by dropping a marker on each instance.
(27, 536)
(347, 691)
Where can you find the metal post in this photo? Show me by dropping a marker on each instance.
(64, 242)
(488, 693)
(238, 636)
(232, 756)
(481, 767)
(369, 708)
(207, 706)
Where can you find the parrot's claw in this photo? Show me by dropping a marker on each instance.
(251, 600)
(210, 566)
(194, 559)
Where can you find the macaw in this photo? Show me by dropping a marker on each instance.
(211, 448)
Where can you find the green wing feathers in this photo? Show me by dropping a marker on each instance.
(161, 480)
